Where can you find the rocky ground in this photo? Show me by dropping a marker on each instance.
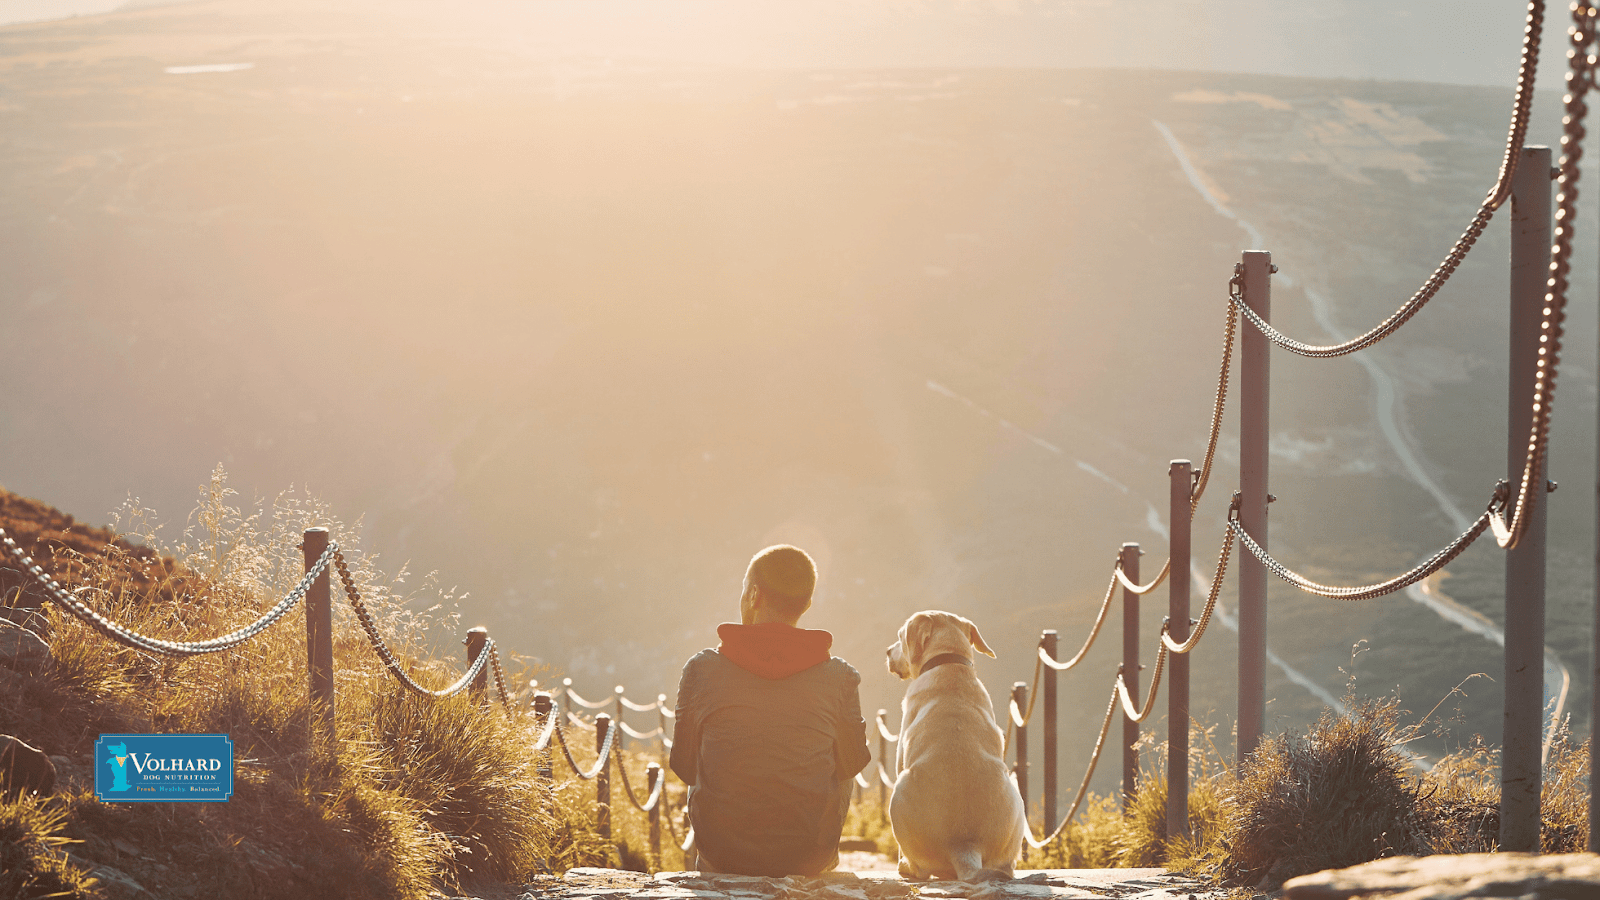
(873, 884)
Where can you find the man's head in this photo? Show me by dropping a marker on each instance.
(777, 586)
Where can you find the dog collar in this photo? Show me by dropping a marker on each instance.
(943, 659)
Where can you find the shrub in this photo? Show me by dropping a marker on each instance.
(33, 861)
(1110, 834)
(1344, 794)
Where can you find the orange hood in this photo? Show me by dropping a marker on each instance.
(773, 650)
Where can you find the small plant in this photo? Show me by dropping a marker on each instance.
(868, 820)
(1109, 833)
(1344, 794)
(33, 861)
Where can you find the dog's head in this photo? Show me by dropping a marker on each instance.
(927, 634)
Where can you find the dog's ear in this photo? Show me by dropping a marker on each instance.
(915, 640)
(976, 638)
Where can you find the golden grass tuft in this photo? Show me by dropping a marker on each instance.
(33, 858)
(417, 795)
(1344, 794)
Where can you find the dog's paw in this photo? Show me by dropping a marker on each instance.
(910, 872)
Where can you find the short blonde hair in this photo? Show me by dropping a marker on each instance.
(786, 576)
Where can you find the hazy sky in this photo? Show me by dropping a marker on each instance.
(1453, 41)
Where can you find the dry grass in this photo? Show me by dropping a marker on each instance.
(1107, 835)
(33, 858)
(417, 795)
(1343, 794)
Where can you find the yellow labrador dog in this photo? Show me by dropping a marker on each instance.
(956, 812)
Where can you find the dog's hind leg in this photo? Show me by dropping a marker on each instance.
(909, 870)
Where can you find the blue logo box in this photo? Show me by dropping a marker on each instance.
(163, 768)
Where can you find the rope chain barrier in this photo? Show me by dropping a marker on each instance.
(627, 787)
(543, 742)
(1521, 104)
(883, 730)
(493, 652)
(1094, 632)
(1366, 592)
(1083, 787)
(133, 639)
(382, 649)
(1021, 717)
(1229, 338)
(586, 704)
(1580, 77)
(640, 735)
(599, 763)
(1168, 645)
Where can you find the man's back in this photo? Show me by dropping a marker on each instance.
(768, 751)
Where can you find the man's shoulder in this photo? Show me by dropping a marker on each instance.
(842, 669)
(706, 657)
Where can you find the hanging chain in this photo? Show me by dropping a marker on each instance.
(388, 657)
(1520, 107)
(1580, 77)
(129, 638)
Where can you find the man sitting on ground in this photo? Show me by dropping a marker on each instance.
(769, 734)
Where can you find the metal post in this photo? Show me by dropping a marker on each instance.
(652, 777)
(1130, 673)
(566, 701)
(619, 706)
(1019, 698)
(475, 640)
(1594, 679)
(1048, 642)
(319, 635)
(1522, 737)
(1178, 667)
(602, 779)
(544, 708)
(1254, 410)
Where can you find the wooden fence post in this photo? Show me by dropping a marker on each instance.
(652, 773)
(475, 639)
(602, 779)
(544, 708)
(319, 635)
(1019, 697)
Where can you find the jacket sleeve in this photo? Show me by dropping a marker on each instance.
(685, 758)
(850, 751)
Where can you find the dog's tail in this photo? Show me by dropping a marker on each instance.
(968, 863)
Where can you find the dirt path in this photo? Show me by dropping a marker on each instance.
(873, 884)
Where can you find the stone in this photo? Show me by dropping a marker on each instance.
(1017, 890)
(1568, 876)
(838, 892)
(24, 769)
(599, 872)
(22, 643)
(120, 884)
